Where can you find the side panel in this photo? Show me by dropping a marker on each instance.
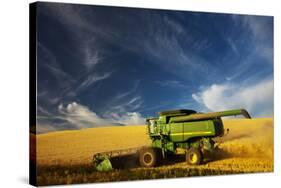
(180, 132)
(198, 129)
(176, 132)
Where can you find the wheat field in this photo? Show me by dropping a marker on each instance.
(78, 146)
(247, 148)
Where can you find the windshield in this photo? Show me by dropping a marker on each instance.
(152, 125)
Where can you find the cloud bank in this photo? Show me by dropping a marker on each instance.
(82, 117)
(256, 98)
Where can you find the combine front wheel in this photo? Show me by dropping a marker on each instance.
(194, 156)
(148, 157)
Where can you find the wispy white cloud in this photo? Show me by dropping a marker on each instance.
(172, 56)
(129, 92)
(69, 15)
(92, 58)
(42, 110)
(160, 39)
(174, 25)
(123, 102)
(233, 46)
(263, 35)
(257, 98)
(131, 103)
(91, 53)
(90, 80)
(76, 18)
(43, 128)
(171, 83)
(266, 52)
(261, 30)
(83, 31)
(67, 84)
(163, 105)
(258, 26)
(50, 61)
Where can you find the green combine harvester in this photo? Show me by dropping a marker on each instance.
(175, 132)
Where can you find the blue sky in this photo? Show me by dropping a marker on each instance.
(99, 65)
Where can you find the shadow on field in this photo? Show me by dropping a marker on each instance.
(217, 155)
(173, 159)
(132, 160)
(125, 162)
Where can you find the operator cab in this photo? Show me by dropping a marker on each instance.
(152, 124)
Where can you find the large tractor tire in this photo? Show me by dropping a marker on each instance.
(193, 156)
(150, 157)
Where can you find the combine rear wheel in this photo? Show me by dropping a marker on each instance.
(193, 156)
(150, 157)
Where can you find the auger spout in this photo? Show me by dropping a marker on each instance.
(210, 115)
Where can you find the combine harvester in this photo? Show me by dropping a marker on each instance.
(175, 132)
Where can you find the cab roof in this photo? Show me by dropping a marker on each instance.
(176, 112)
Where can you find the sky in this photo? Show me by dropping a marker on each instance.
(100, 65)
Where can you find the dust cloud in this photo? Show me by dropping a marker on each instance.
(248, 138)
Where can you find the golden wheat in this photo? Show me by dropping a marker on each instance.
(249, 142)
(78, 146)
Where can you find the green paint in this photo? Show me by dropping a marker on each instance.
(102, 163)
(104, 166)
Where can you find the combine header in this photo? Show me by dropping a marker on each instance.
(175, 132)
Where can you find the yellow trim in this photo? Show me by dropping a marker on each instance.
(192, 133)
